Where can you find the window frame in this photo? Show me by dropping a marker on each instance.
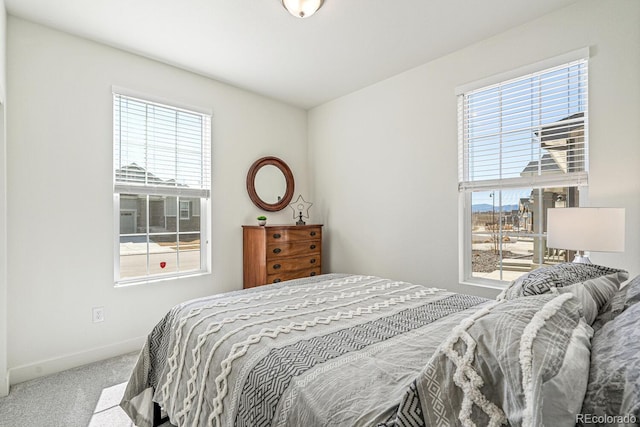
(166, 192)
(465, 212)
(188, 210)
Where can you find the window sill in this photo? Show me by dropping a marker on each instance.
(483, 283)
(153, 280)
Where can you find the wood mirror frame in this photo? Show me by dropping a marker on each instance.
(251, 184)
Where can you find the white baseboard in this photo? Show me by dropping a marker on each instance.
(4, 384)
(51, 366)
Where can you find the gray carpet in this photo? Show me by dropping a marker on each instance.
(87, 396)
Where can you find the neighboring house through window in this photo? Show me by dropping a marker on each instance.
(161, 189)
(523, 149)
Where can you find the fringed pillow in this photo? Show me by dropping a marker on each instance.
(523, 361)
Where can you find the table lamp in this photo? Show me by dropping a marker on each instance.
(586, 229)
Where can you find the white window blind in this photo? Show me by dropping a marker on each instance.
(159, 149)
(526, 132)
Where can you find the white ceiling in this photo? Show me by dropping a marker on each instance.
(258, 46)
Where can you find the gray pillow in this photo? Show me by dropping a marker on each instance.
(632, 293)
(611, 309)
(541, 280)
(594, 285)
(625, 297)
(614, 376)
(523, 361)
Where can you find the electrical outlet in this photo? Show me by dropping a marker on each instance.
(98, 314)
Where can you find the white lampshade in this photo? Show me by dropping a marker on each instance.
(302, 8)
(586, 229)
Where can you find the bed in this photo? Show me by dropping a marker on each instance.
(355, 350)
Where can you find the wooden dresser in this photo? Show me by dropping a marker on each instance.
(275, 253)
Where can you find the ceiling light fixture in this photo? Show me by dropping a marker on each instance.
(302, 8)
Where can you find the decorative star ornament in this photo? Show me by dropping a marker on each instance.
(300, 206)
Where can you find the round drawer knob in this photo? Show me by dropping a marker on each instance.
(313, 233)
(313, 273)
(312, 247)
(313, 261)
(277, 280)
(277, 236)
(276, 266)
(277, 250)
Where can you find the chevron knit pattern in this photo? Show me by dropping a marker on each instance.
(268, 380)
(232, 358)
(240, 349)
(176, 360)
(410, 410)
(272, 333)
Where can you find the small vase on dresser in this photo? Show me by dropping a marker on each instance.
(275, 253)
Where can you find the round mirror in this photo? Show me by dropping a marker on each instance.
(270, 184)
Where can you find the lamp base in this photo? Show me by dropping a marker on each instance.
(581, 258)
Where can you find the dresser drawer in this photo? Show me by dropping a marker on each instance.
(276, 235)
(276, 253)
(293, 264)
(281, 277)
(296, 248)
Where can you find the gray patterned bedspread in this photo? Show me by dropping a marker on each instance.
(330, 350)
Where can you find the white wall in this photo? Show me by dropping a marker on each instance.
(384, 158)
(4, 379)
(60, 197)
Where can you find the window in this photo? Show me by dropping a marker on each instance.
(161, 189)
(523, 149)
(185, 209)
